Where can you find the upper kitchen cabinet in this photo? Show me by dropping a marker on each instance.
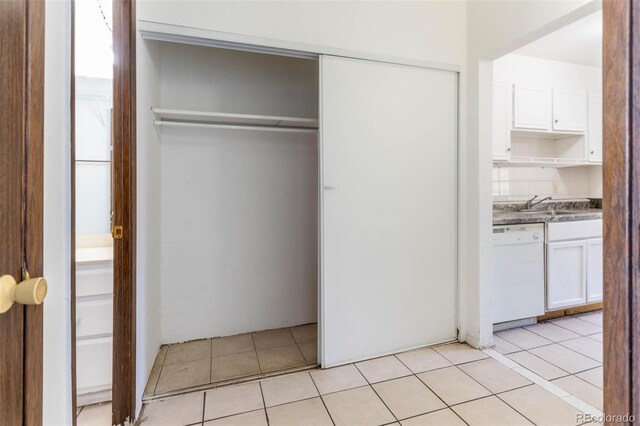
(542, 113)
(501, 121)
(531, 108)
(569, 110)
(594, 133)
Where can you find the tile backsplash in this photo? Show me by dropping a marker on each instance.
(521, 183)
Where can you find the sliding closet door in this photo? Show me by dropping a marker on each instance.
(389, 215)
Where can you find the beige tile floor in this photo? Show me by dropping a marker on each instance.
(202, 362)
(450, 384)
(567, 352)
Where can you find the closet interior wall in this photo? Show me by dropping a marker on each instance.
(238, 208)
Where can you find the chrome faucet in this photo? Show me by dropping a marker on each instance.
(530, 203)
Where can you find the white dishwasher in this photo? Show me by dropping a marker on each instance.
(518, 272)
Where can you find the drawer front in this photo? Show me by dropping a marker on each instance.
(94, 317)
(94, 279)
(578, 230)
(93, 364)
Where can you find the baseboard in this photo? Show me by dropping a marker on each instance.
(571, 311)
(91, 398)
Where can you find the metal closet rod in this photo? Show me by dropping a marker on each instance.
(236, 127)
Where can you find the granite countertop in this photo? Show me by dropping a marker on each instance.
(508, 214)
(544, 216)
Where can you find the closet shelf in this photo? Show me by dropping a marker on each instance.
(222, 120)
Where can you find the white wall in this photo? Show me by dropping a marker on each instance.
(57, 213)
(530, 71)
(424, 30)
(522, 183)
(148, 219)
(494, 28)
(595, 182)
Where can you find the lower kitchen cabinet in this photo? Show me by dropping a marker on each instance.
(566, 274)
(594, 270)
(574, 263)
(94, 325)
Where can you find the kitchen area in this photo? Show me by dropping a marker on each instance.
(547, 283)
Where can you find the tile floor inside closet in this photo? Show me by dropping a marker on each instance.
(202, 362)
(545, 374)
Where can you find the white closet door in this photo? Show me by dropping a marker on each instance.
(389, 215)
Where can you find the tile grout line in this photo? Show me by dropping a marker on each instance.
(253, 341)
(204, 406)
(374, 391)
(586, 322)
(541, 359)
(551, 344)
(547, 385)
(557, 366)
(511, 406)
(264, 404)
(322, 399)
(446, 406)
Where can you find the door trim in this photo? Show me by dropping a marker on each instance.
(72, 203)
(124, 211)
(33, 220)
(621, 202)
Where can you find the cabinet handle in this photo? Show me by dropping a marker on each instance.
(555, 121)
(593, 152)
(509, 149)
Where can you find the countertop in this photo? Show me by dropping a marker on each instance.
(501, 217)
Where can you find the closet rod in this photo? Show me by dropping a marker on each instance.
(237, 127)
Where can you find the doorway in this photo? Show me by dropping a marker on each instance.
(238, 218)
(547, 192)
(92, 169)
(102, 220)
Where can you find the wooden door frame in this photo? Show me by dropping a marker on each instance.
(124, 214)
(621, 205)
(34, 217)
(124, 211)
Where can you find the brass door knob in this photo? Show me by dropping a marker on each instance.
(31, 291)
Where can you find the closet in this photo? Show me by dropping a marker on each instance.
(284, 189)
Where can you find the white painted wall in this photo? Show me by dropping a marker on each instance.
(537, 72)
(238, 208)
(494, 28)
(57, 213)
(148, 219)
(595, 182)
(424, 30)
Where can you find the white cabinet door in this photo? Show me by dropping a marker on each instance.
(501, 121)
(594, 270)
(594, 134)
(569, 110)
(388, 208)
(531, 108)
(566, 274)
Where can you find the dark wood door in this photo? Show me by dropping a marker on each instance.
(21, 165)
